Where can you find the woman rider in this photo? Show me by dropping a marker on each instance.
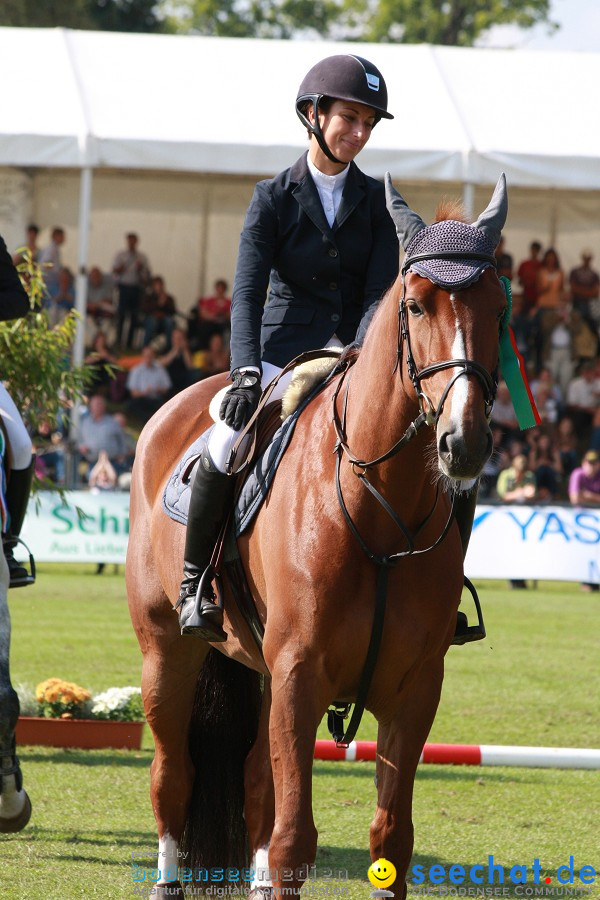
(319, 240)
(14, 303)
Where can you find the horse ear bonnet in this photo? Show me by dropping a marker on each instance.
(452, 237)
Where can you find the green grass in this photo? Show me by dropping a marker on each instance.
(534, 681)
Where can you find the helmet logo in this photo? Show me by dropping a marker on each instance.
(372, 81)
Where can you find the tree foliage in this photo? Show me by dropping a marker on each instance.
(454, 22)
(101, 15)
(36, 359)
(458, 22)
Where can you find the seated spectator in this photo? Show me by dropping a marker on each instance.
(101, 306)
(148, 384)
(98, 358)
(212, 315)
(582, 400)
(503, 414)
(544, 380)
(131, 439)
(215, 358)
(103, 476)
(498, 460)
(584, 483)
(516, 484)
(100, 431)
(523, 327)
(567, 445)
(60, 301)
(545, 462)
(179, 363)
(49, 448)
(158, 311)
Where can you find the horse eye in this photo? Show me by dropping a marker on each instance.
(414, 308)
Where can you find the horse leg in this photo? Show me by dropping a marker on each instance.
(169, 677)
(400, 742)
(259, 806)
(296, 710)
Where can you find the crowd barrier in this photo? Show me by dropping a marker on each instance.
(549, 542)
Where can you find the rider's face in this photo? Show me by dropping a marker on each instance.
(346, 128)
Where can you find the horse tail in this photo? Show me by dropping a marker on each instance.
(223, 728)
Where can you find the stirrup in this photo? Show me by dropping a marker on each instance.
(18, 579)
(206, 618)
(465, 633)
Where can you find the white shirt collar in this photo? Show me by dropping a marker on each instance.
(328, 182)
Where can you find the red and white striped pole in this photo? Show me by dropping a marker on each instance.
(473, 755)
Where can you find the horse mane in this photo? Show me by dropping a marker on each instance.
(450, 209)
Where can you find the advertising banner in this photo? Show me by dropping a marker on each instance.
(514, 542)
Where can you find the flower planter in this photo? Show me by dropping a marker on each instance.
(83, 733)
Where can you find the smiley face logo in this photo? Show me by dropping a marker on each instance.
(382, 873)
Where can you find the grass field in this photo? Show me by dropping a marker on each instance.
(533, 682)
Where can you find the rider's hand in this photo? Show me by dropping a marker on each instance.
(241, 400)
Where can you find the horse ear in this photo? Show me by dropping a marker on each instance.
(407, 222)
(492, 220)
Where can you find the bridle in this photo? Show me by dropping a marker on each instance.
(489, 381)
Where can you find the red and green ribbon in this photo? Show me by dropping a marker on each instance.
(514, 372)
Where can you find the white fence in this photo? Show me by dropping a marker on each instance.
(531, 542)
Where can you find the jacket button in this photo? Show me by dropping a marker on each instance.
(333, 285)
(314, 278)
(336, 317)
(332, 252)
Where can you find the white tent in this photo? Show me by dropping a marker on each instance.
(158, 114)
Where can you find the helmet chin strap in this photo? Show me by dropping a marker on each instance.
(316, 130)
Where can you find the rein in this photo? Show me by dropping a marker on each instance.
(428, 415)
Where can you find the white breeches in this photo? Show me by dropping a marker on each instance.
(20, 442)
(222, 437)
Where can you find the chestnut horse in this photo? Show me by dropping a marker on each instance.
(232, 769)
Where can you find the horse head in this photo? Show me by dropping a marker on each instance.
(451, 309)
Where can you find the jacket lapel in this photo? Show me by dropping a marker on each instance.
(354, 191)
(307, 195)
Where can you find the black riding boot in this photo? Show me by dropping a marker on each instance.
(17, 498)
(464, 513)
(212, 495)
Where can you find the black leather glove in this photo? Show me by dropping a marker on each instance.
(240, 402)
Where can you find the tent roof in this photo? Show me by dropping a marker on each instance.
(225, 105)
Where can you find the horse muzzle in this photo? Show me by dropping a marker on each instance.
(462, 453)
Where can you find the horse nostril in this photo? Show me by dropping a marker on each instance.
(443, 443)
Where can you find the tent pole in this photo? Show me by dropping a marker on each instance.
(85, 204)
(469, 199)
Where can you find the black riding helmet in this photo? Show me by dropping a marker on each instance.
(343, 77)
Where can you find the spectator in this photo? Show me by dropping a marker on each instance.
(498, 460)
(179, 363)
(50, 259)
(50, 451)
(132, 273)
(566, 441)
(30, 244)
(585, 287)
(527, 275)
(584, 490)
(547, 395)
(516, 484)
(131, 439)
(99, 431)
(148, 384)
(503, 414)
(504, 261)
(100, 300)
(582, 400)
(159, 310)
(523, 327)
(212, 316)
(215, 358)
(103, 476)
(98, 358)
(545, 462)
(550, 281)
(59, 303)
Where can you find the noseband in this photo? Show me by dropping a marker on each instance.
(489, 381)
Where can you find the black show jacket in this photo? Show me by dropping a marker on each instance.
(14, 302)
(321, 281)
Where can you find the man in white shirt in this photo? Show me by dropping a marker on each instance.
(148, 384)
